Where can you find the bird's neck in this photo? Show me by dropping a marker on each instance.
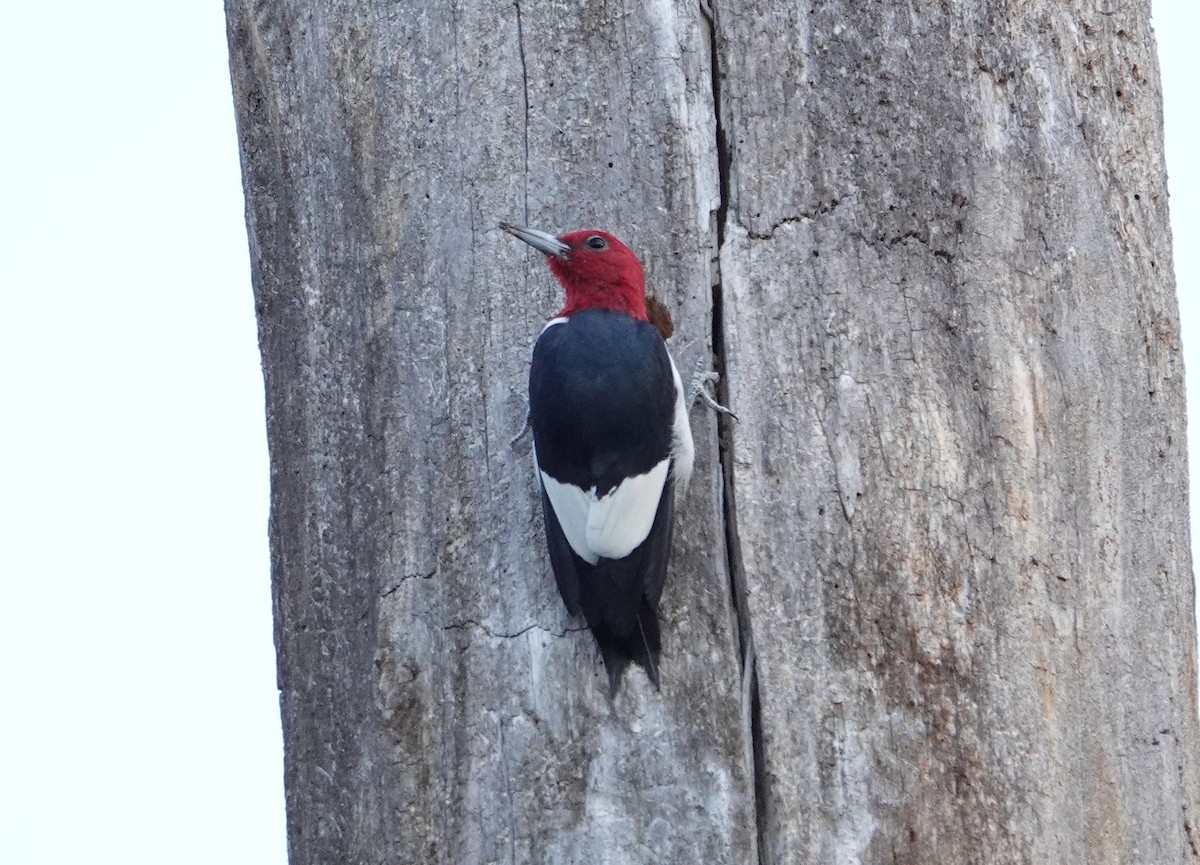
(617, 298)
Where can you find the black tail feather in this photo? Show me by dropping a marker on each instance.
(642, 647)
(617, 597)
(615, 655)
(649, 641)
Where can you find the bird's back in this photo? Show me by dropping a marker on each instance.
(601, 399)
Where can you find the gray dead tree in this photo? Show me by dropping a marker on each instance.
(931, 598)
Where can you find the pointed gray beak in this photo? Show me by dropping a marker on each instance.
(539, 240)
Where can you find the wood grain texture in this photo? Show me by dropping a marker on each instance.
(960, 479)
(931, 597)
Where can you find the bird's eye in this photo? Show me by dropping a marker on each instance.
(596, 242)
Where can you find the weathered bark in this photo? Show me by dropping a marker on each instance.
(982, 609)
(931, 596)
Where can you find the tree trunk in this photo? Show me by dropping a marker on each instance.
(931, 597)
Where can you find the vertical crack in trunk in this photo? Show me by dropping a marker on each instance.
(525, 91)
(733, 551)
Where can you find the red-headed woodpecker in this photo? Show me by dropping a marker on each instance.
(611, 444)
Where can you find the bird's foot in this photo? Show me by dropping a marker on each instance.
(699, 389)
(518, 395)
(512, 442)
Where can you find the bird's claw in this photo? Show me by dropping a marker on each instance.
(700, 382)
(512, 442)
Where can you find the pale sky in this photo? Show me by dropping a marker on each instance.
(139, 719)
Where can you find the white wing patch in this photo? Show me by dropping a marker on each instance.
(621, 520)
(571, 506)
(611, 526)
(682, 449)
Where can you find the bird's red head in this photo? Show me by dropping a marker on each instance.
(600, 272)
(595, 269)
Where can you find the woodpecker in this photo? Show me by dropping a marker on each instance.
(611, 444)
